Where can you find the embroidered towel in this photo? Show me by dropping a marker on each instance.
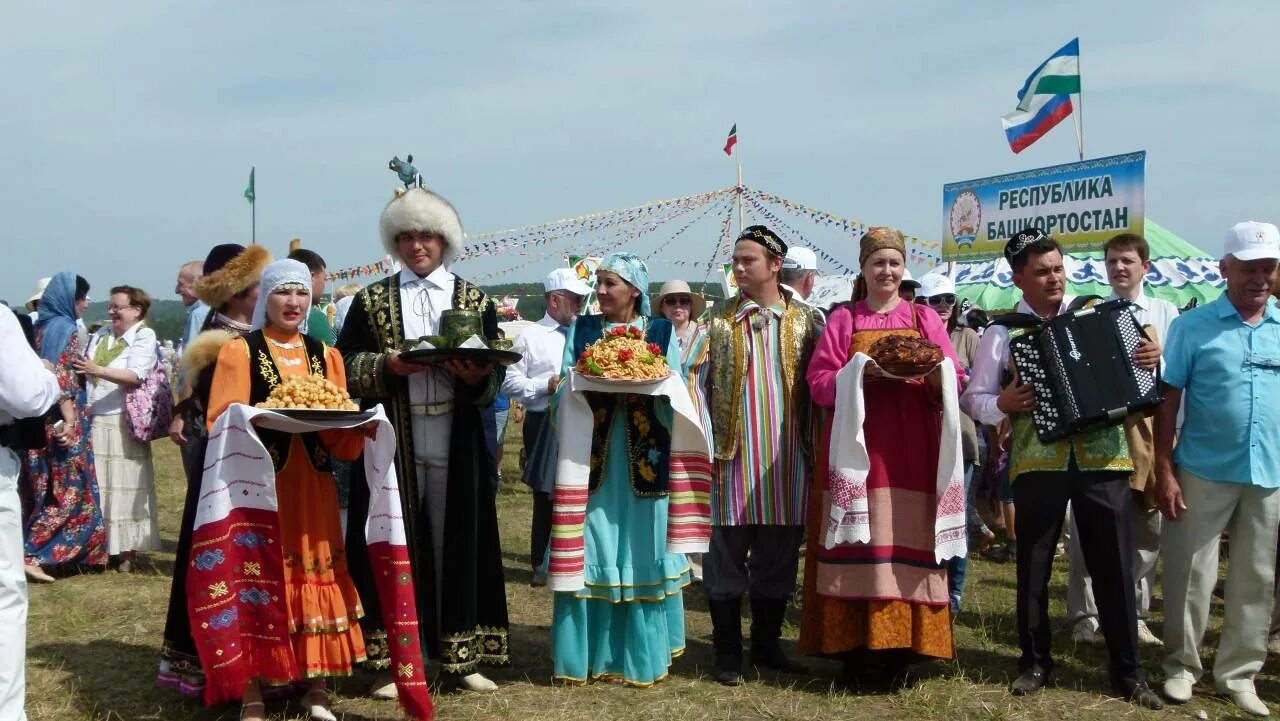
(689, 496)
(238, 617)
(848, 515)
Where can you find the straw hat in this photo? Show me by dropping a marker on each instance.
(35, 297)
(677, 287)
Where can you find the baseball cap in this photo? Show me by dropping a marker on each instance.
(566, 279)
(907, 280)
(800, 259)
(1252, 240)
(936, 284)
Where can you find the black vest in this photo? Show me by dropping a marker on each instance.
(648, 441)
(264, 375)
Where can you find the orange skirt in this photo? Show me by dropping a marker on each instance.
(320, 596)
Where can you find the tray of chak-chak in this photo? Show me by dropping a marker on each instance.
(905, 356)
(623, 358)
(313, 398)
(436, 349)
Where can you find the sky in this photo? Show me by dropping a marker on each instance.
(129, 128)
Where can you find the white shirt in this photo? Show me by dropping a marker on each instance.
(107, 398)
(27, 388)
(422, 300)
(541, 346)
(989, 363)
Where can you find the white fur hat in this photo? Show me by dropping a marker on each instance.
(420, 209)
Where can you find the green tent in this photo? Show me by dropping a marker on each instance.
(1180, 273)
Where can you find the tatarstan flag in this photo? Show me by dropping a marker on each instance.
(732, 140)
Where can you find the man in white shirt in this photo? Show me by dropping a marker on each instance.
(1128, 259)
(1088, 470)
(27, 389)
(532, 380)
(799, 271)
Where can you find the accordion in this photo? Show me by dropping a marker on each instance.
(1081, 365)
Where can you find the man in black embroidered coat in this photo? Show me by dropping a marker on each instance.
(441, 463)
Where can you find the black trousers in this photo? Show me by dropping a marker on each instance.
(540, 526)
(758, 560)
(1101, 503)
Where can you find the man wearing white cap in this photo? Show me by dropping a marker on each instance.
(532, 380)
(33, 303)
(1223, 359)
(799, 270)
(907, 289)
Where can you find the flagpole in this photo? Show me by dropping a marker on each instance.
(740, 192)
(253, 220)
(1080, 112)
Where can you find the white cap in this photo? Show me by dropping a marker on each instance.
(907, 280)
(566, 279)
(800, 259)
(936, 284)
(35, 297)
(1252, 240)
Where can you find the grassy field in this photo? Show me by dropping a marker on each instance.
(93, 643)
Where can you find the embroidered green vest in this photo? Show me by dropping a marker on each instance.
(1104, 449)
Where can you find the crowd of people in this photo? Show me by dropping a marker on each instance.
(776, 437)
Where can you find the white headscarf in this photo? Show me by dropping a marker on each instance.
(340, 317)
(277, 274)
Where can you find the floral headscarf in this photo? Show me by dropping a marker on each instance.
(633, 270)
(57, 319)
(274, 276)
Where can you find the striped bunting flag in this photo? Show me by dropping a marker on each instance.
(1045, 99)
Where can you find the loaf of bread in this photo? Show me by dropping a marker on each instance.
(901, 350)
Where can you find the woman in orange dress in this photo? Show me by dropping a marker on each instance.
(320, 598)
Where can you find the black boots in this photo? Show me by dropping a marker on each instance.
(766, 632)
(726, 639)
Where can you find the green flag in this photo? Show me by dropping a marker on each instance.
(248, 192)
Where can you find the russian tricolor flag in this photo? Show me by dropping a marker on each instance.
(1045, 99)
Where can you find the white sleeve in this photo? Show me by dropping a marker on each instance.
(27, 388)
(141, 357)
(989, 361)
(517, 384)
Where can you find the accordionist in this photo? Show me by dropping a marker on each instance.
(1090, 470)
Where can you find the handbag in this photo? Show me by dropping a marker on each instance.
(148, 409)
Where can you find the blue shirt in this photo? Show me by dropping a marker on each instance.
(1229, 373)
(196, 316)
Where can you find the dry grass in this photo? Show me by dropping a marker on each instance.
(93, 642)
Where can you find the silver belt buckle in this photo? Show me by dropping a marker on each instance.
(431, 409)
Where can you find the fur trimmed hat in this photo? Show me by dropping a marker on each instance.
(422, 210)
(232, 275)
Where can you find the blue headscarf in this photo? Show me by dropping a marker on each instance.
(633, 270)
(57, 317)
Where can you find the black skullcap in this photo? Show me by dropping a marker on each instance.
(765, 237)
(1021, 241)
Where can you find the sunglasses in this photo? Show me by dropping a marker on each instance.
(677, 300)
(944, 299)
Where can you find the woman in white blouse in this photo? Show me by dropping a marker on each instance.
(119, 358)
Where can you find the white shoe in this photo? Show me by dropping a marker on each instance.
(384, 688)
(477, 682)
(316, 704)
(1146, 637)
(1177, 690)
(1087, 631)
(1249, 702)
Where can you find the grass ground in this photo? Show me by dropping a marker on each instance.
(93, 642)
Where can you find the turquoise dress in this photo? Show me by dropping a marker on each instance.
(627, 623)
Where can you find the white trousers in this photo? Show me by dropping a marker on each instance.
(431, 462)
(1146, 549)
(1190, 550)
(13, 594)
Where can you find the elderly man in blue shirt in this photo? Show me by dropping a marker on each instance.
(1223, 359)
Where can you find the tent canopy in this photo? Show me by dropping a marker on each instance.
(1180, 273)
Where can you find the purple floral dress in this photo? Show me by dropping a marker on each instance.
(63, 512)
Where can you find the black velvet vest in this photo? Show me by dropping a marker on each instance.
(264, 375)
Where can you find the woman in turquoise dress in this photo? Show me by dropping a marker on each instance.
(627, 623)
